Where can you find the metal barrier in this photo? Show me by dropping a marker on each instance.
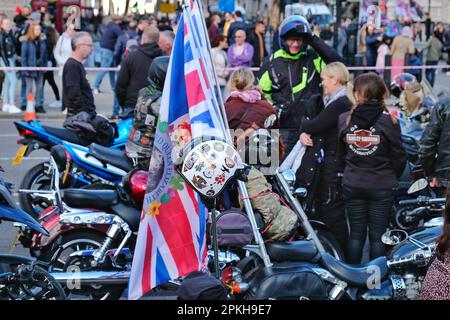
(358, 68)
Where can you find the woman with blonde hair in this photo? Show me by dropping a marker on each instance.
(401, 45)
(371, 152)
(245, 108)
(63, 48)
(319, 133)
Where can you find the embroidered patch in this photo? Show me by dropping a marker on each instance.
(363, 142)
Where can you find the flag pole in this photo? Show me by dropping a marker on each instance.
(196, 38)
(242, 187)
(216, 79)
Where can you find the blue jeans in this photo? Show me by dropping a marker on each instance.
(430, 74)
(367, 208)
(23, 91)
(9, 87)
(107, 62)
(107, 58)
(38, 81)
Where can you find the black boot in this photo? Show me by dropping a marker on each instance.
(40, 109)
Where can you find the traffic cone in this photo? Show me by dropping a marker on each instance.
(30, 113)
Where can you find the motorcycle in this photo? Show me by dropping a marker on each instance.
(92, 167)
(22, 278)
(412, 214)
(35, 136)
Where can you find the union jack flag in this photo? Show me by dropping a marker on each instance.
(171, 240)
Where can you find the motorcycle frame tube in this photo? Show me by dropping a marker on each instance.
(256, 234)
(300, 213)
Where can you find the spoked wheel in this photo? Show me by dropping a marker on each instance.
(35, 179)
(330, 244)
(29, 282)
(75, 241)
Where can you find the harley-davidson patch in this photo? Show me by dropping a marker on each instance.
(363, 142)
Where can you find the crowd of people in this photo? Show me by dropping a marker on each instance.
(402, 41)
(30, 39)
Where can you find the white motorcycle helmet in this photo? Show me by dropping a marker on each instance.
(208, 165)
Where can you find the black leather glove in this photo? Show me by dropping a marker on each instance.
(308, 38)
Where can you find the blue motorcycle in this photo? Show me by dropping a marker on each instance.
(35, 136)
(21, 278)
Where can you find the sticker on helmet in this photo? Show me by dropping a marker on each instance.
(208, 173)
(230, 163)
(191, 161)
(218, 147)
(199, 182)
(220, 178)
(205, 148)
(200, 166)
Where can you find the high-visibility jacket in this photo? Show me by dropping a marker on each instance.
(288, 81)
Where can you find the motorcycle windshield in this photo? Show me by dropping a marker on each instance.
(17, 215)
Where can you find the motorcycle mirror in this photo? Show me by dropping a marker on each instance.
(418, 185)
(301, 192)
(394, 237)
(289, 176)
(270, 121)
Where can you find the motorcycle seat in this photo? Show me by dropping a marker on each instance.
(355, 275)
(129, 214)
(67, 135)
(98, 199)
(115, 157)
(302, 250)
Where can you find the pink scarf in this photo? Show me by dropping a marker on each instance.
(250, 96)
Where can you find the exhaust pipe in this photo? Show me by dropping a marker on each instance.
(92, 277)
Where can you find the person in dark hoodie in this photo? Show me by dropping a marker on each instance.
(122, 40)
(133, 70)
(371, 148)
(107, 43)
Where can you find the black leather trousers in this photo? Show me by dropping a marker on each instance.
(370, 209)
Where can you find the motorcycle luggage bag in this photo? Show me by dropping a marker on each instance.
(233, 228)
(287, 281)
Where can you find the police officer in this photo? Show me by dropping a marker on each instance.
(291, 75)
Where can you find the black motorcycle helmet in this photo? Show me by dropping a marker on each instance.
(157, 72)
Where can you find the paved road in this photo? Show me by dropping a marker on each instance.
(15, 174)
